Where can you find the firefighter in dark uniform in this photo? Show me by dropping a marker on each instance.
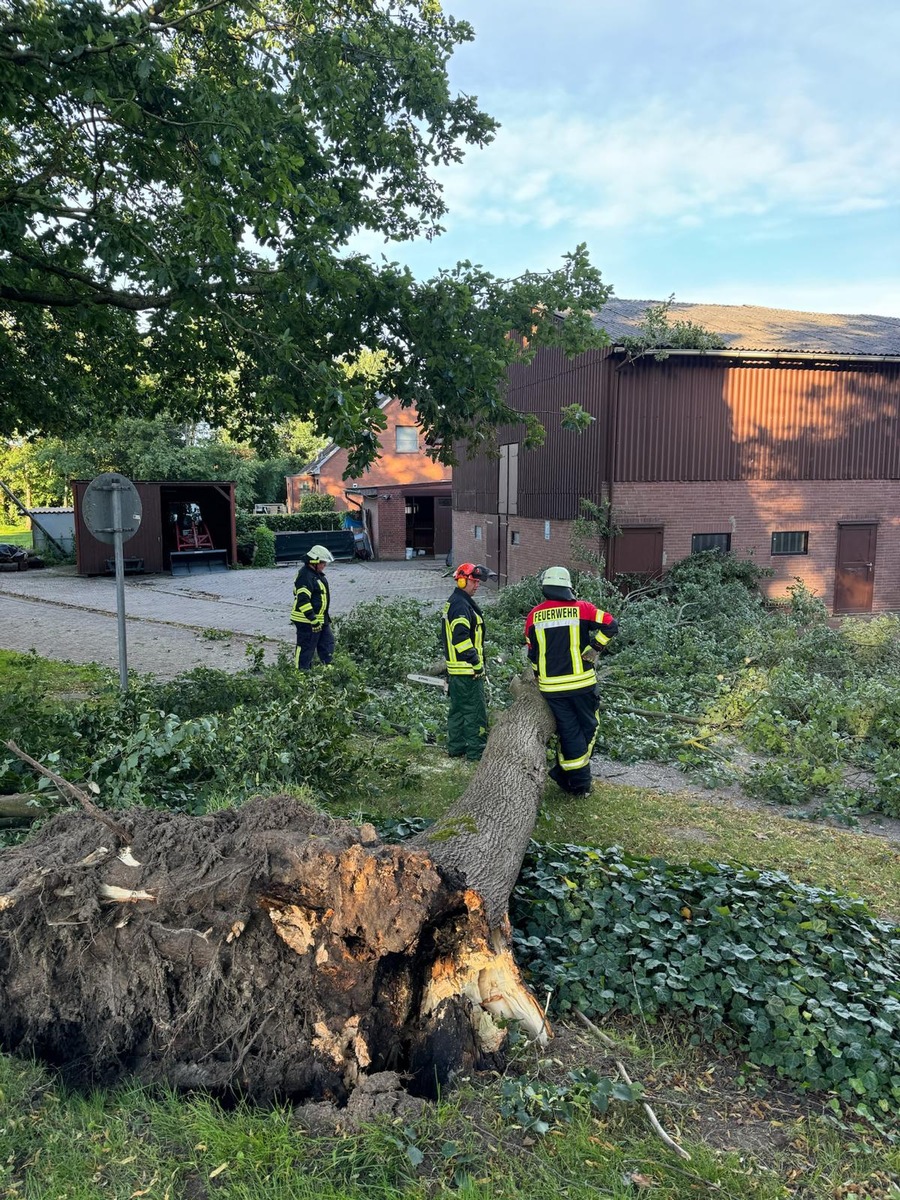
(310, 611)
(563, 636)
(463, 631)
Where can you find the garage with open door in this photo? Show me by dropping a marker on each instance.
(187, 527)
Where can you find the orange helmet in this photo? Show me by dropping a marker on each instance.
(471, 571)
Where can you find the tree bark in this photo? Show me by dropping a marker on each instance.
(271, 951)
(25, 805)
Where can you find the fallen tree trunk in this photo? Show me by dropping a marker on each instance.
(270, 951)
(23, 805)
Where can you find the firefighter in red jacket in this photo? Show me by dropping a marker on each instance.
(563, 635)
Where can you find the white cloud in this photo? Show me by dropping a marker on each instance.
(660, 164)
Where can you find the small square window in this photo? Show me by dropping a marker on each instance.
(794, 541)
(515, 537)
(710, 541)
(477, 533)
(406, 439)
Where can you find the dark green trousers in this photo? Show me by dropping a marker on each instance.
(467, 720)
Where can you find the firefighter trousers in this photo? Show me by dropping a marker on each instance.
(576, 719)
(467, 719)
(311, 642)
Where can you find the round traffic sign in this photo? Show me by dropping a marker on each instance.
(111, 505)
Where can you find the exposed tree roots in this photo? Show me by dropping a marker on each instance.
(270, 951)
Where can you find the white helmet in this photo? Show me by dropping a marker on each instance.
(318, 554)
(556, 577)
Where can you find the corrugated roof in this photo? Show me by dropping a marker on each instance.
(751, 327)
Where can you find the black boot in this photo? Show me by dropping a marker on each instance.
(558, 775)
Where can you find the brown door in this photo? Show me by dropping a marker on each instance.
(854, 576)
(443, 526)
(639, 551)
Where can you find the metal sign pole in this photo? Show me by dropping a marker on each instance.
(111, 509)
(120, 582)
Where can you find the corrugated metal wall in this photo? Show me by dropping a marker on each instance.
(703, 419)
(569, 465)
(687, 419)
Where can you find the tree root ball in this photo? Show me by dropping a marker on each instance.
(267, 952)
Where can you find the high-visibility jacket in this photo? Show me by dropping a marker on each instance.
(558, 633)
(463, 629)
(311, 598)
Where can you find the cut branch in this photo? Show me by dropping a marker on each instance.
(626, 1078)
(70, 792)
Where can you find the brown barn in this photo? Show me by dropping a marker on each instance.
(404, 496)
(151, 547)
(783, 447)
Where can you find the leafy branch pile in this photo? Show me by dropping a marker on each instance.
(703, 664)
(534, 1105)
(207, 736)
(802, 979)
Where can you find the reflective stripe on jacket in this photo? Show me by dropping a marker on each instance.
(311, 598)
(463, 629)
(558, 633)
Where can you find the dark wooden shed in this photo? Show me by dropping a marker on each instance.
(154, 542)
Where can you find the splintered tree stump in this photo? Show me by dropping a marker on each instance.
(270, 951)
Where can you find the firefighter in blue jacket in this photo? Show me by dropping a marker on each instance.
(563, 636)
(310, 612)
(463, 632)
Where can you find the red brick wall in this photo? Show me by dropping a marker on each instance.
(389, 468)
(750, 511)
(392, 527)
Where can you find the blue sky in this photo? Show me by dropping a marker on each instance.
(729, 153)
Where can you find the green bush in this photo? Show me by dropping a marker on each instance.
(265, 547)
(316, 502)
(308, 522)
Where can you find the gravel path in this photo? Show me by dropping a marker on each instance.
(61, 615)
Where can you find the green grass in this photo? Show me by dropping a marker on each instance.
(16, 536)
(136, 1142)
(679, 828)
(45, 677)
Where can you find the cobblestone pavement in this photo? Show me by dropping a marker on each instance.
(58, 614)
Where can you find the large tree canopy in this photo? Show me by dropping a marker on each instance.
(180, 181)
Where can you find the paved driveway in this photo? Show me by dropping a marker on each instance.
(61, 615)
